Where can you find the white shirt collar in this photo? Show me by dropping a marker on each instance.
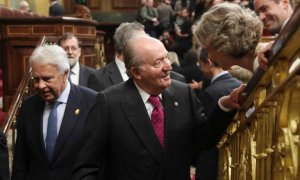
(122, 68)
(65, 94)
(218, 75)
(75, 69)
(145, 96)
(74, 73)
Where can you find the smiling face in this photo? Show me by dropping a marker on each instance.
(152, 73)
(48, 81)
(272, 14)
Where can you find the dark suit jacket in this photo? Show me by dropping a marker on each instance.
(84, 73)
(207, 163)
(30, 159)
(56, 10)
(4, 172)
(177, 76)
(120, 136)
(105, 77)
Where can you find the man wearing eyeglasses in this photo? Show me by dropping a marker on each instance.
(79, 73)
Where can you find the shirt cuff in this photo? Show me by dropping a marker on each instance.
(223, 107)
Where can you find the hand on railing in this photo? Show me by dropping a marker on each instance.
(232, 101)
(263, 54)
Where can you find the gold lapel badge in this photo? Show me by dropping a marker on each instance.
(176, 103)
(77, 111)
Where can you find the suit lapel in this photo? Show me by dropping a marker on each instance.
(137, 115)
(170, 104)
(38, 125)
(71, 116)
(82, 76)
(114, 74)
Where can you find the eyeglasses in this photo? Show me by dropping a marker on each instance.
(73, 48)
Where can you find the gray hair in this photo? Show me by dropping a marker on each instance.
(131, 57)
(124, 32)
(229, 29)
(51, 54)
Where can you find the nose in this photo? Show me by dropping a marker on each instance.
(262, 16)
(167, 64)
(41, 84)
(68, 50)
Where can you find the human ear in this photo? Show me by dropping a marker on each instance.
(135, 72)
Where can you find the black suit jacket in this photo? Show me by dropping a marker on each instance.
(30, 159)
(207, 163)
(105, 77)
(84, 74)
(120, 139)
(56, 10)
(4, 172)
(177, 76)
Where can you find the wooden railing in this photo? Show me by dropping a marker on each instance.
(263, 140)
(18, 98)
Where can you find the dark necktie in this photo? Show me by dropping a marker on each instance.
(51, 130)
(69, 78)
(157, 118)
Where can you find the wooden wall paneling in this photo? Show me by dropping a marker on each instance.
(19, 37)
(94, 4)
(117, 4)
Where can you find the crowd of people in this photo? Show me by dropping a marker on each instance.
(137, 118)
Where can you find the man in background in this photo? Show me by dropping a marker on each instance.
(274, 13)
(222, 83)
(24, 6)
(56, 9)
(79, 73)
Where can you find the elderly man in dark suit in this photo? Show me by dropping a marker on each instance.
(50, 123)
(222, 83)
(79, 74)
(144, 127)
(115, 72)
(4, 170)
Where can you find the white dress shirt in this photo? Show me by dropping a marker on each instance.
(122, 69)
(74, 73)
(145, 96)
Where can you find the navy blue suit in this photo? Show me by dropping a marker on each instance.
(30, 159)
(207, 163)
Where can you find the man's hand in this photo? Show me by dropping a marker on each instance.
(196, 85)
(262, 60)
(232, 100)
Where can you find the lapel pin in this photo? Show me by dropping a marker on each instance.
(176, 103)
(77, 111)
